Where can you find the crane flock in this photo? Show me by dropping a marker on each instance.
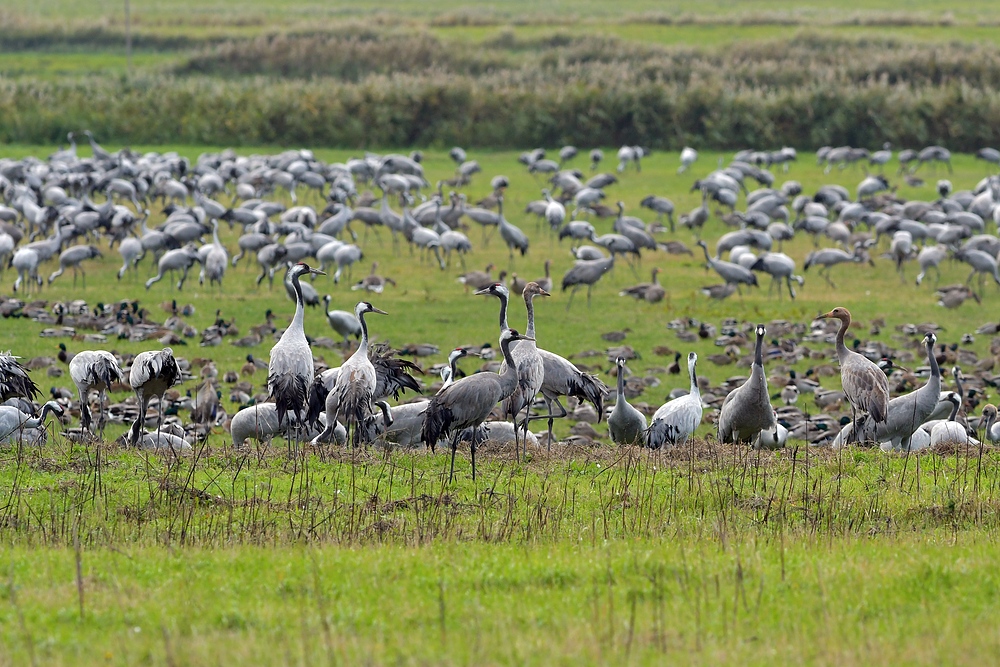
(50, 215)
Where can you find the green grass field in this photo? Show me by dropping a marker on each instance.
(712, 555)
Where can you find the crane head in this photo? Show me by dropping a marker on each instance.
(365, 307)
(496, 289)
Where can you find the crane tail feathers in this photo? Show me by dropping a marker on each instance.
(289, 394)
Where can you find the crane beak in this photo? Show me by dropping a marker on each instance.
(317, 272)
(525, 338)
(484, 291)
(376, 310)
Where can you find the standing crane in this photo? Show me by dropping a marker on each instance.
(468, 402)
(529, 366)
(93, 370)
(512, 235)
(561, 377)
(747, 409)
(216, 259)
(151, 374)
(865, 385)
(343, 322)
(675, 421)
(626, 425)
(354, 391)
(73, 258)
(905, 413)
(586, 272)
(290, 369)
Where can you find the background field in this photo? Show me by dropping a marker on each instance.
(585, 555)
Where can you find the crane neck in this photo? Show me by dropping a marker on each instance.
(694, 381)
(508, 379)
(363, 345)
(954, 409)
(621, 384)
(932, 360)
(961, 393)
(503, 313)
(215, 234)
(708, 257)
(299, 317)
(842, 350)
(530, 307)
(758, 355)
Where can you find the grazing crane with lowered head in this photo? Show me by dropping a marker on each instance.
(151, 374)
(14, 423)
(93, 370)
(290, 369)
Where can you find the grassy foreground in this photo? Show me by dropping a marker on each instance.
(710, 556)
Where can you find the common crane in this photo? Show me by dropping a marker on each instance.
(747, 410)
(865, 385)
(93, 370)
(675, 421)
(626, 425)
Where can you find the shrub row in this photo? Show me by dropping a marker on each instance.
(593, 106)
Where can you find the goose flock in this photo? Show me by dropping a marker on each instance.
(70, 211)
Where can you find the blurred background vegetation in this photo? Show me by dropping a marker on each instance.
(718, 74)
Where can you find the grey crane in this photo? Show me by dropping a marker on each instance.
(780, 267)
(512, 235)
(697, 218)
(991, 428)
(14, 379)
(949, 432)
(688, 157)
(290, 369)
(555, 212)
(596, 156)
(865, 385)
(73, 258)
(982, 263)
(469, 401)
(270, 257)
(932, 154)
(585, 272)
(929, 258)
(131, 251)
(747, 410)
(25, 261)
(180, 259)
(578, 230)
(675, 421)
(353, 394)
(528, 363)
(93, 370)
(662, 206)
(14, 423)
(626, 425)
(900, 250)
(260, 422)
(151, 374)
(990, 155)
(905, 413)
(830, 257)
(346, 256)
(216, 260)
(343, 322)
(561, 377)
(730, 272)
(882, 157)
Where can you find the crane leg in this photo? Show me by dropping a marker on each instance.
(589, 288)
(568, 303)
(454, 448)
(472, 450)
